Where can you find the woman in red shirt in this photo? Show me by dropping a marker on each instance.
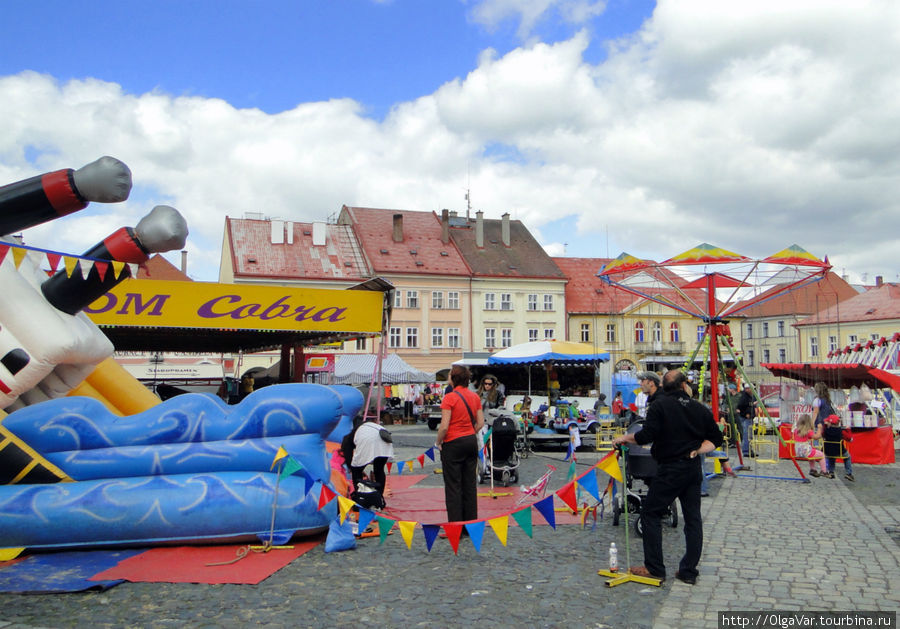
(461, 419)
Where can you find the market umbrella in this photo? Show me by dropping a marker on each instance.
(547, 353)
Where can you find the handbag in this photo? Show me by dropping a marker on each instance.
(466, 404)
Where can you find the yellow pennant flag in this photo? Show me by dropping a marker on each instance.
(18, 255)
(406, 530)
(501, 527)
(278, 456)
(344, 505)
(117, 268)
(610, 465)
(69, 263)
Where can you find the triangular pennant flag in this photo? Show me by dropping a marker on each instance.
(365, 518)
(389, 466)
(501, 527)
(4, 249)
(407, 528)
(566, 493)
(69, 263)
(85, 266)
(410, 465)
(19, 255)
(52, 260)
(291, 465)
(487, 435)
(523, 519)
(569, 451)
(133, 268)
(280, 454)
(325, 496)
(570, 475)
(102, 268)
(610, 465)
(431, 532)
(400, 466)
(384, 527)
(545, 508)
(344, 506)
(421, 460)
(118, 268)
(430, 453)
(453, 531)
(308, 481)
(476, 533)
(588, 482)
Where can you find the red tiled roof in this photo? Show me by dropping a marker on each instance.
(875, 304)
(524, 257)
(420, 251)
(255, 255)
(158, 268)
(802, 301)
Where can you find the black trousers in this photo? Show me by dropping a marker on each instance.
(378, 463)
(680, 479)
(459, 460)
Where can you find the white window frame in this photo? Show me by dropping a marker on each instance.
(453, 300)
(412, 299)
(674, 332)
(548, 334)
(395, 337)
(813, 346)
(398, 298)
(532, 335)
(437, 300)
(585, 332)
(505, 301)
(610, 332)
(781, 328)
(532, 302)
(412, 337)
(639, 332)
(490, 338)
(749, 329)
(765, 333)
(750, 358)
(505, 337)
(782, 355)
(767, 358)
(453, 337)
(490, 301)
(701, 330)
(437, 337)
(548, 302)
(657, 332)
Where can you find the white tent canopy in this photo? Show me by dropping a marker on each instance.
(359, 369)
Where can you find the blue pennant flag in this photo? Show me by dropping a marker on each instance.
(476, 533)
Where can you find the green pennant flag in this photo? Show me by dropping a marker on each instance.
(487, 435)
(572, 471)
(291, 465)
(523, 519)
(384, 527)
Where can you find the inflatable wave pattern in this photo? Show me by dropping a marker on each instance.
(190, 468)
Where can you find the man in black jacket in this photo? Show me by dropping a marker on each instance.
(681, 431)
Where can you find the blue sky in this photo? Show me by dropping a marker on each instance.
(623, 125)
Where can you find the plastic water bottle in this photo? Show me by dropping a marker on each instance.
(613, 557)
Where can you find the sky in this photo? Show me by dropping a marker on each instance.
(604, 126)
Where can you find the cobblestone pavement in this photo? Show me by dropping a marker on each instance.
(764, 550)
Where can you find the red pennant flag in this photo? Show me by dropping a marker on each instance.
(453, 532)
(567, 495)
(53, 260)
(389, 466)
(101, 267)
(421, 460)
(325, 496)
(4, 249)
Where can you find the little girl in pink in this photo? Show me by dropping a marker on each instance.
(803, 434)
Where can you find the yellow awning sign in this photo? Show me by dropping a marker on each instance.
(162, 303)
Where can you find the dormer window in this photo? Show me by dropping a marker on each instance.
(251, 259)
(384, 251)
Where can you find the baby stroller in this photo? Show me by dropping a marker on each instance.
(501, 457)
(639, 465)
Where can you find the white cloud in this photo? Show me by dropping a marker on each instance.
(758, 126)
(529, 13)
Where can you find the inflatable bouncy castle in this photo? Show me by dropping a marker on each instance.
(90, 457)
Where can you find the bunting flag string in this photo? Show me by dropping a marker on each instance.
(53, 258)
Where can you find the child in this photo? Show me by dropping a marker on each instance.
(803, 435)
(835, 446)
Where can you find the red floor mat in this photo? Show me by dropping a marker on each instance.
(187, 564)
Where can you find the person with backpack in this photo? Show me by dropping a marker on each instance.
(372, 443)
(461, 419)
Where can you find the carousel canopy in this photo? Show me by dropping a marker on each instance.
(836, 375)
(539, 352)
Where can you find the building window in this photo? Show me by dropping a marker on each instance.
(505, 337)
(674, 334)
(585, 332)
(749, 330)
(657, 332)
(412, 337)
(412, 299)
(453, 300)
(832, 343)
(765, 329)
(639, 332)
(505, 301)
(532, 303)
(398, 299)
(700, 331)
(489, 301)
(437, 300)
(437, 337)
(813, 346)
(452, 337)
(874, 337)
(361, 344)
(765, 355)
(782, 355)
(394, 337)
(548, 334)
(781, 328)
(852, 340)
(610, 332)
(532, 335)
(751, 361)
(548, 302)
(490, 338)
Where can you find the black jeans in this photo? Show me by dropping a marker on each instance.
(679, 479)
(458, 460)
(378, 463)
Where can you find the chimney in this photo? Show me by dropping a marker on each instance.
(479, 229)
(505, 229)
(445, 226)
(879, 280)
(318, 234)
(398, 228)
(184, 262)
